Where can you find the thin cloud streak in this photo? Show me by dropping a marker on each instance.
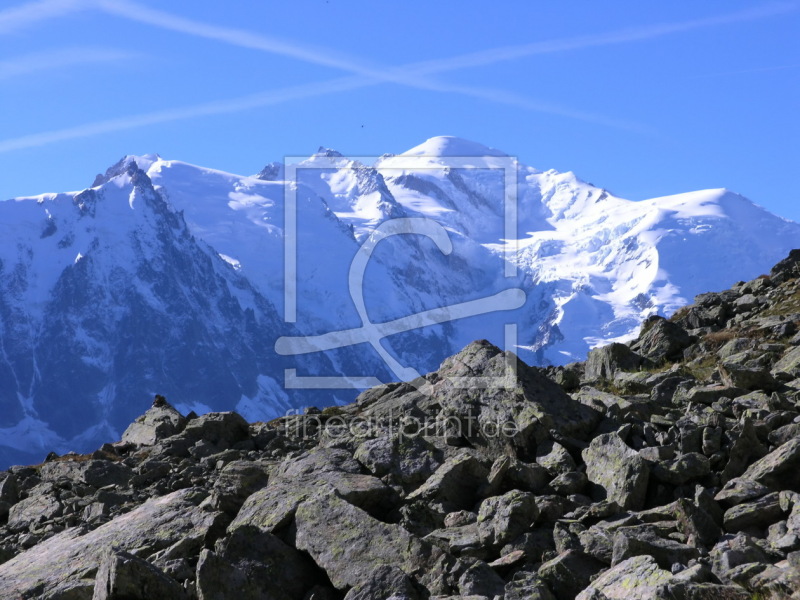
(368, 77)
(19, 17)
(248, 39)
(416, 76)
(487, 57)
(183, 113)
(271, 98)
(58, 59)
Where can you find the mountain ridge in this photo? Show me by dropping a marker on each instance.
(592, 266)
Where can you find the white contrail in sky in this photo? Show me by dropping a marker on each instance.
(413, 75)
(271, 98)
(624, 36)
(59, 58)
(19, 17)
(182, 113)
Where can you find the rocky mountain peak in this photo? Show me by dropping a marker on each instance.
(324, 152)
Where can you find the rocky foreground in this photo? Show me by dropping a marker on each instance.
(668, 468)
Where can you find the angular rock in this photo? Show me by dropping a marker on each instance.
(788, 268)
(604, 362)
(63, 563)
(455, 483)
(159, 422)
(682, 469)
(617, 469)
(778, 470)
(745, 303)
(527, 586)
(789, 365)
(36, 508)
(519, 414)
(569, 573)
(706, 591)
(349, 545)
(746, 448)
(554, 457)
(478, 579)
(9, 489)
(96, 473)
(503, 518)
(756, 514)
(256, 565)
(661, 340)
(237, 481)
(570, 483)
(643, 540)
(458, 540)
(697, 523)
(272, 508)
(508, 473)
(222, 429)
(410, 460)
(747, 377)
(123, 576)
(783, 434)
(637, 578)
(734, 552)
(385, 582)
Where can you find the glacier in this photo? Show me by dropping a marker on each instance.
(166, 277)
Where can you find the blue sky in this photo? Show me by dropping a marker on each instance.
(642, 98)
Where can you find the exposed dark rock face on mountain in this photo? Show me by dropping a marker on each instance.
(668, 468)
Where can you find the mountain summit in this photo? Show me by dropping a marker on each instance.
(166, 277)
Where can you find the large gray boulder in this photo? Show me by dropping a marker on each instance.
(630, 542)
(503, 518)
(569, 572)
(41, 505)
(407, 460)
(789, 365)
(617, 470)
(555, 458)
(123, 576)
(160, 421)
(254, 565)
(236, 482)
(65, 565)
(637, 578)
(349, 544)
(682, 469)
(788, 268)
(661, 340)
(272, 508)
(487, 399)
(778, 470)
(221, 429)
(385, 582)
(96, 473)
(455, 484)
(604, 362)
(755, 514)
(747, 377)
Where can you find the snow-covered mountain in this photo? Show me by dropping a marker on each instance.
(170, 278)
